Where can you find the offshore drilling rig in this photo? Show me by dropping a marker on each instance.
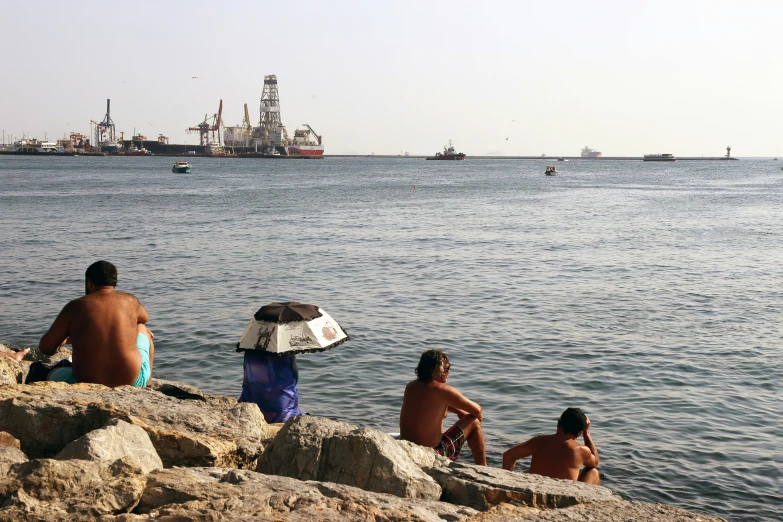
(270, 133)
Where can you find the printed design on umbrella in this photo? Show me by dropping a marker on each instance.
(290, 328)
(302, 341)
(263, 339)
(329, 332)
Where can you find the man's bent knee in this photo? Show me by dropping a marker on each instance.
(590, 476)
(469, 424)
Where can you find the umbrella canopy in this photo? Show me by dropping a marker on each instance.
(290, 328)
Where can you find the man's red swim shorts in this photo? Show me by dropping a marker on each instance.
(451, 442)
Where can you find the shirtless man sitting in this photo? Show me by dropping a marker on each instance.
(111, 345)
(560, 455)
(428, 400)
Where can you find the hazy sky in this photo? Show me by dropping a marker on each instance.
(624, 77)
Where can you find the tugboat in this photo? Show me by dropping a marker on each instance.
(181, 167)
(551, 170)
(449, 153)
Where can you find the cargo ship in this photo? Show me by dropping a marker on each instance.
(449, 153)
(304, 145)
(587, 152)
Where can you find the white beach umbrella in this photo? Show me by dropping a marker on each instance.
(290, 328)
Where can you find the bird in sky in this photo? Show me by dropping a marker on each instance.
(506, 139)
(194, 77)
(512, 121)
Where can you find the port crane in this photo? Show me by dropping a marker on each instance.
(318, 137)
(209, 129)
(104, 131)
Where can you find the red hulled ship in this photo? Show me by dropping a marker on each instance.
(304, 145)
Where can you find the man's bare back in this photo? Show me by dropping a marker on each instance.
(424, 407)
(428, 400)
(559, 455)
(103, 328)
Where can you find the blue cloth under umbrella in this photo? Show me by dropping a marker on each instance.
(270, 381)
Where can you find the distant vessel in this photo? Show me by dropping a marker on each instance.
(181, 167)
(659, 157)
(590, 153)
(561, 159)
(449, 153)
(135, 151)
(551, 170)
(304, 144)
(33, 146)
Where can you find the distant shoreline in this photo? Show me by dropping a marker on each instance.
(381, 156)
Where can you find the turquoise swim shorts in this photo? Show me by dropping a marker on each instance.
(143, 345)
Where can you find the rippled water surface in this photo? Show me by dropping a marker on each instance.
(648, 294)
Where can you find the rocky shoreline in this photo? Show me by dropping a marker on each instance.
(172, 453)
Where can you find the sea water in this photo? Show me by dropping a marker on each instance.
(649, 294)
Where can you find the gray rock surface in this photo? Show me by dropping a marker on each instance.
(45, 417)
(603, 512)
(313, 448)
(114, 441)
(214, 494)
(69, 490)
(482, 487)
(9, 456)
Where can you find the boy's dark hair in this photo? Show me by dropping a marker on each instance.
(573, 421)
(102, 273)
(431, 365)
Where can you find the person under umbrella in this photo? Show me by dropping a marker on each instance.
(271, 340)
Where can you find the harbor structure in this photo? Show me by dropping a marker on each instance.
(105, 132)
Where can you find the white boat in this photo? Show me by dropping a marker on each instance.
(34, 146)
(181, 167)
(562, 159)
(659, 157)
(551, 170)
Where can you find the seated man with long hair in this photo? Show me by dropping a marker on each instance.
(428, 400)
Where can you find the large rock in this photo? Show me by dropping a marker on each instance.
(482, 487)
(116, 440)
(9, 456)
(48, 416)
(219, 494)
(313, 448)
(604, 512)
(70, 490)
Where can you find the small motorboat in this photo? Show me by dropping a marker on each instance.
(562, 159)
(181, 167)
(550, 170)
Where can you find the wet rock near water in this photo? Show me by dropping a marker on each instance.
(482, 487)
(604, 512)
(46, 417)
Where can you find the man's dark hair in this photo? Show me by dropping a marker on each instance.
(572, 421)
(102, 273)
(431, 365)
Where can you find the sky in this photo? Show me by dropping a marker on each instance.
(496, 77)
